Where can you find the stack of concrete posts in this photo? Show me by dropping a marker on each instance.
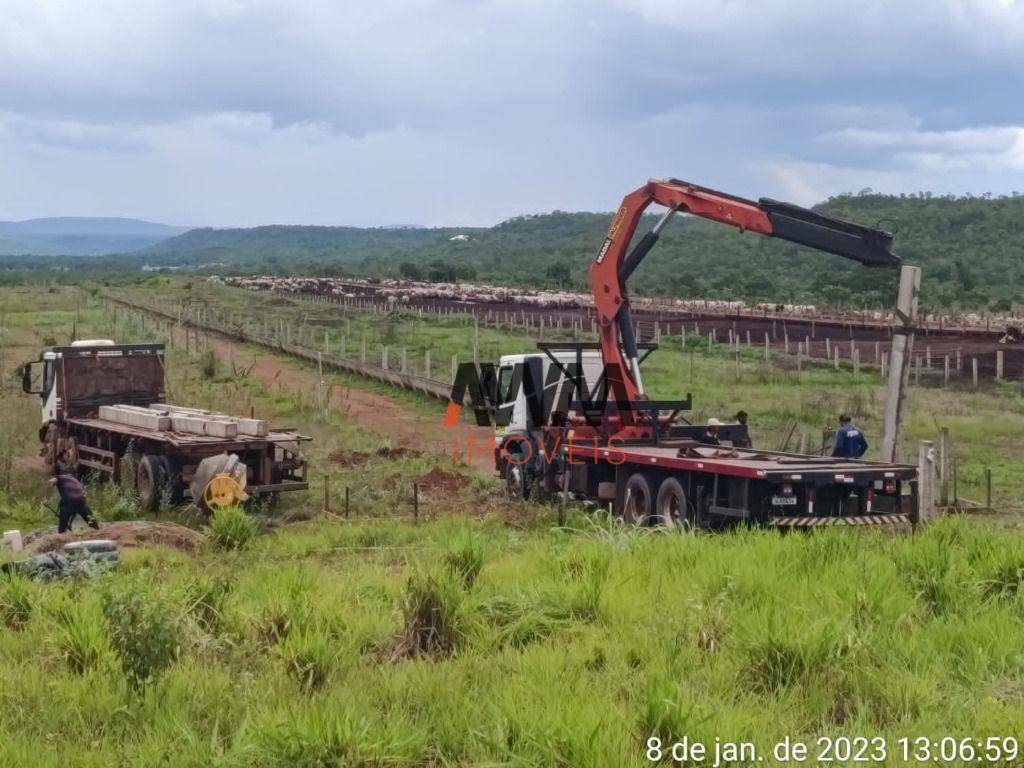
(134, 416)
(213, 423)
(191, 421)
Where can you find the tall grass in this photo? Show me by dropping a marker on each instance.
(232, 528)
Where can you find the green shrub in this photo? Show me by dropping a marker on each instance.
(520, 621)
(232, 528)
(435, 624)
(142, 631)
(80, 637)
(587, 571)
(204, 601)
(207, 364)
(309, 654)
(15, 601)
(781, 652)
(465, 558)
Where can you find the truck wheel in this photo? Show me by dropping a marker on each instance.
(151, 480)
(638, 502)
(672, 509)
(517, 482)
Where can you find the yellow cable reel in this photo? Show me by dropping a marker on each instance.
(223, 491)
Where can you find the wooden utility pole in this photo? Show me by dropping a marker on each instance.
(899, 356)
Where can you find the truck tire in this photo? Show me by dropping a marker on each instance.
(638, 500)
(671, 509)
(151, 480)
(517, 482)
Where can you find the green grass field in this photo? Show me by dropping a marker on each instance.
(485, 634)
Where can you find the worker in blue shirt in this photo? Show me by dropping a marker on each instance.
(850, 442)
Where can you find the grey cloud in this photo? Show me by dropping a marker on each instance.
(227, 112)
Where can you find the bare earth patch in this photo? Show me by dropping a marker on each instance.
(131, 533)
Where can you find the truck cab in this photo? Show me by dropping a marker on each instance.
(523, 380)
(75, 380)
(40, 376)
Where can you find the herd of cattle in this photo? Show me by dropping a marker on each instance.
(415, 293)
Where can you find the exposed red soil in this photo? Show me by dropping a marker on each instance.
(414, 433)
(438, 479)
(132, 533)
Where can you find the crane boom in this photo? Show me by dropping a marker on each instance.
(613, 266)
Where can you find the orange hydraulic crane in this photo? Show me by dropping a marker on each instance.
(613, 266)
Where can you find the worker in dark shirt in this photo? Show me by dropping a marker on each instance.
(850, 442)
(710, 436)
(72, 502)
(738, 441)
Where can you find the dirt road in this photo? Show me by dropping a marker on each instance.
(388, 416)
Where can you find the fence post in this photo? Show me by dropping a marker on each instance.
(856, 361)
(384, 357)
(999, 364)
(426, 364)
(944, 465)
(828, 347)
(974, 371)
(766, 346)
(925, 481)
(835, 356)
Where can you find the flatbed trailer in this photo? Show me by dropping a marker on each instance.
(677, 481)
(273, 462)
(77, 382)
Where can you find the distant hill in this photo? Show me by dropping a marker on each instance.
(80, 236)
(971, 249)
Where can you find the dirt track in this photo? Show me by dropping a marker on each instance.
(387, 416)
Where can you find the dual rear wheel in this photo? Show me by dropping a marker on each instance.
(661, 504)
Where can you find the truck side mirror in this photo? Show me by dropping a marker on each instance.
(32, 378)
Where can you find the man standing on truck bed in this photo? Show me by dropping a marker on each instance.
(710, 436)
(850, 442)
(72, 502)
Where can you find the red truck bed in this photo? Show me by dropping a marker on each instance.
(743, 462)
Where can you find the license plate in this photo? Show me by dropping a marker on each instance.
(783, 501)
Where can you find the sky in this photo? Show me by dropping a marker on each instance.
(468, 112)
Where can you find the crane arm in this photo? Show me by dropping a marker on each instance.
(612, 267)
